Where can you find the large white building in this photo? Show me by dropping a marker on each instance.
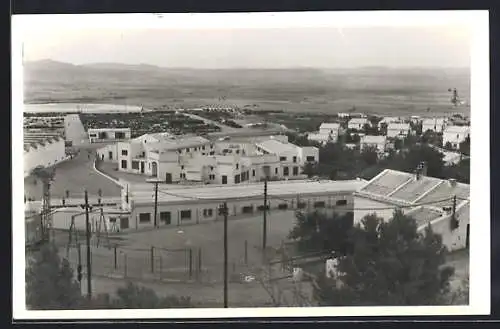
(180, 205)
(455, 135)
(434, 124)
(426, 199)
(42, 149)
(398, 130)
(328, 132)
(97, 135)
(196, 159)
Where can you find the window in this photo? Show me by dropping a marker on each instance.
(341, 202)
(165, 217)
(93, 135)
(294, 159)
(212, 153)
(310, 159)
(221, 210)
(237, 165)
(285, 171)
(124, 164)
(295, 171)
(282, 158)
(203, 147)
(119, 135)
(149, 165)
(261, 207)
(183, 175)
(211, 146)
(208, 212)
(237, 151)
(135, 165)
(185, 214)
(145, 217)
(253, 172)
(182, 167)
(283, 206)
(276, 171)
(187, 150)
(124, 152)
(319, 204)
(236, 179)
(301, 205)
(224, 179)
(247, 209)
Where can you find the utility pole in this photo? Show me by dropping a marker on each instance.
(453, 214)
(89, 268)
(264, 227)
(156, 205)
(225, 254)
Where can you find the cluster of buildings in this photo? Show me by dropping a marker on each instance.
(225, 161)
(392, 128)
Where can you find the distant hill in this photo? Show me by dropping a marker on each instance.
(370, 89)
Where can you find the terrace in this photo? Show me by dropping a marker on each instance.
(387, 182)
(424, 215)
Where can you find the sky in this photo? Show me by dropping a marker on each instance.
(326, 47)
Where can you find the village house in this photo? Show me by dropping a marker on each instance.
(398, 130)
(377, 142)
(357, 123)
(454, 135)
(328, 133)
(433, 124)
(428, 200)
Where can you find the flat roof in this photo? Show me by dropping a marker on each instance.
(398, 125)
(143, 194)
(274, 146)
(358, 120)
(329, 125)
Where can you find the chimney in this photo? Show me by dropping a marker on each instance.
(453, 182)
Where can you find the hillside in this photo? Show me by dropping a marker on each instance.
(379, 90)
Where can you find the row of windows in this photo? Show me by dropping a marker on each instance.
(294, 159)
(166, 217)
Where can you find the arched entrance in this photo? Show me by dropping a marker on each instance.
(154, 169)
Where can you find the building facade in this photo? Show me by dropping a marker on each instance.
(97, 135)
(377, 142)
(434, 124)
(178, 206)
(357, 123)
(454, 135)
(398, 130)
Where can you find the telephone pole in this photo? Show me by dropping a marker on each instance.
(89, 268)
(155, 182)
(264, 227)
(225, 254)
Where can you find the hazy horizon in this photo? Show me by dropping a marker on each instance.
(446, 46)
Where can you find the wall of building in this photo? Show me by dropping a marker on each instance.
(200, 209)
(455, 239)
(44, 155)
(364, 206)
(111, 134)
(454, 138)
(108, 153)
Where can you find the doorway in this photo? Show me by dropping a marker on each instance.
(142, 167)
(110, 155)
(154, 166)
(124, 223)
(168, 178)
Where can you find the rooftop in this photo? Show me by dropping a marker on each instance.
(373, 139)
(142, 193)
(331, 125)
(33, 139)
(274, 146)
(358, 120)
(109, 129)
(396, 186)
(398, 126)
(457, 129)
(431, 121)
(424, 215)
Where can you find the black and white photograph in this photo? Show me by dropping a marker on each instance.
(277, 164)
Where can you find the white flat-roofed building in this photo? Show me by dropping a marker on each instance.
(181, 205)
(288, 152)
(387, 120)
(357, 123)
(398, 130)
(328, 133)
(377, 142)
(426, 199)
(433, 124)
(42, 150)
(97, 135)
(455, 135)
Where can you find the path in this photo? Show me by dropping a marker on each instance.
(223, 128)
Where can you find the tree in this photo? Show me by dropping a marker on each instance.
(465, 146)
(391, 264)
(408, 160)
(50, 283)
(309, 169)
(317, 232)
(370, 155)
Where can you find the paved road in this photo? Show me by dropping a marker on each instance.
(75, 176)
(75, 132)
